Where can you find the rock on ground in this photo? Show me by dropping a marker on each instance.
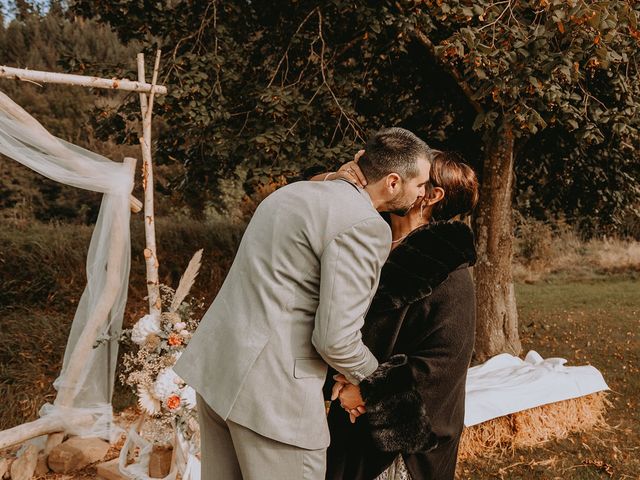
(4, 466)
(76, 453)
(24, 466)
(109, 470)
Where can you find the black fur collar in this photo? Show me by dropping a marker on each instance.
(422, 262)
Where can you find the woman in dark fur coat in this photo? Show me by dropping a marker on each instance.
(421, 328)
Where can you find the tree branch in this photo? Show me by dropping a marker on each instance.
(273, 77)
(464, 86)
(350, 121)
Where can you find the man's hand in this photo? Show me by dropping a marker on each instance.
(350, 397)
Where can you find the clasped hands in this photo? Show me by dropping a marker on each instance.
(349, 396)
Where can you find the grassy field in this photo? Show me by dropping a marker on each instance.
(589, 321)
(42, 277)
(573, 305)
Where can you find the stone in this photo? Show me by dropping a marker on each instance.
(41, 467)
(160, 461)
(7, 462)
(53, 440)
(24, 466)
(4, 466)
(110, 470)
(76, 453)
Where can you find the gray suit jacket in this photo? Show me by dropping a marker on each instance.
(293, 302)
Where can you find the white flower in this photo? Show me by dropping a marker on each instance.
(147, 402)
(147, 325)
(166, 384)
(185, 333)
(180, 326)
(188, 396)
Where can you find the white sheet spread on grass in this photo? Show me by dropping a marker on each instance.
(506, 384)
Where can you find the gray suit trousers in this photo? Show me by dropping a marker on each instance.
(233, 452)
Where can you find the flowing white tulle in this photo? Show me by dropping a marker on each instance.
(23, 139)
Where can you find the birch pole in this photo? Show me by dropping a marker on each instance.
(150, 253)
(42, 426)
(39, 76)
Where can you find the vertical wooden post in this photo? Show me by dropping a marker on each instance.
(150, 254)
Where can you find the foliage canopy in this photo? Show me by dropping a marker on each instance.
(278, 85)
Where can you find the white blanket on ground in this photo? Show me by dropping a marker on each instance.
(506, 384)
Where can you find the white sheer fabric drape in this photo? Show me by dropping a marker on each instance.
(86, 381)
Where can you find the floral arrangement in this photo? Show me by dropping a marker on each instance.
(158, 342)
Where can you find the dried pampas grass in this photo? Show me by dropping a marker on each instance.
(534, 426)
(186, 281)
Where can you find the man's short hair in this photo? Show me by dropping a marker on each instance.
(393, 150)
(459, 182)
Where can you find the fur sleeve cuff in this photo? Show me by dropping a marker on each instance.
(395, 410)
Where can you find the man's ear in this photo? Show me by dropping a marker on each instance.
(393, 183)
(435, 195)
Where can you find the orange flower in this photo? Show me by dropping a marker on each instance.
(175, 340)
(173, 402)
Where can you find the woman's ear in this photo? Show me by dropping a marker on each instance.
(435, 195)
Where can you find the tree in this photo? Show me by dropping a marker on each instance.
(270, 86)
(2, 29)
(525, 66)
(263, 85)
(55, 41)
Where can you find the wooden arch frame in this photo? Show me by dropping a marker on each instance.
(51, 425)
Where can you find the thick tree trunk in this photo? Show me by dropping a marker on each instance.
(497, 320)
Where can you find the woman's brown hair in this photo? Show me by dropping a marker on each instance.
(460, 185)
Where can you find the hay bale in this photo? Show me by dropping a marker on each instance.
(534, 426)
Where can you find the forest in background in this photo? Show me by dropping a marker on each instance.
(595, 198)
(48, 37)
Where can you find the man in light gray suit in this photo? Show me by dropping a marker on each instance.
(293, 302)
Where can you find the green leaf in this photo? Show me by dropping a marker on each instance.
(478, 122)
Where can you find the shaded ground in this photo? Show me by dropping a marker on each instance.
(587, 322)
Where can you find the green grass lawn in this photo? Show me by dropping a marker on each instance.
(587, 322)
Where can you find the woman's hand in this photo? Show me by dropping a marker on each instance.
(351, 172)
(350, 397)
